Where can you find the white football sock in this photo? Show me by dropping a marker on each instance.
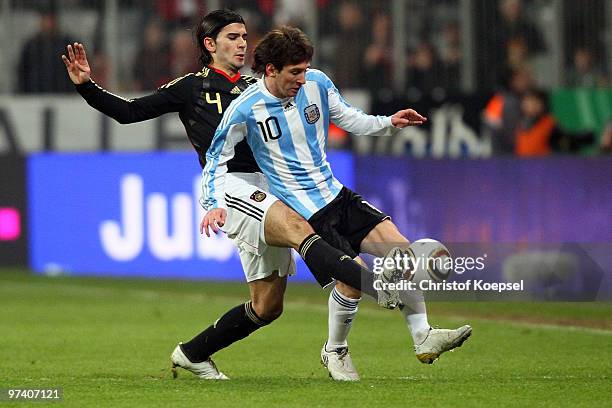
(342, 311)
(415, 314)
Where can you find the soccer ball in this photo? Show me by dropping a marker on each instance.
(431, 260)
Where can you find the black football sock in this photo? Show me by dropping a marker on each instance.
(325, 262)
(234, 325)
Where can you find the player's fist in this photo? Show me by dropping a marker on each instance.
(76, 64)
(407, 117)
(214, 219)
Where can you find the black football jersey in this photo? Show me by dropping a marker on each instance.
(200, 100)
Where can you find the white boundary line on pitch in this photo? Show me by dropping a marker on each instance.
(466, 320)
(605, 332)
(155, 295)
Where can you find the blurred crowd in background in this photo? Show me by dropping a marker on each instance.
(514, 52)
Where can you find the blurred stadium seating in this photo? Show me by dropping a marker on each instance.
(403, 51)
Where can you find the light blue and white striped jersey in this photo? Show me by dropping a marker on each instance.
(288, 139)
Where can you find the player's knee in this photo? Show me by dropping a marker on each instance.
(299, 227)
(273, 312)
(294, 228)
(384, 230)
(268, 311)
(268, 305)
(382, 238)
(285, 227)
(348, 291)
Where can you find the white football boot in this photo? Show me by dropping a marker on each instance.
(439, 341)
(206, 370)
(339, 364)
(388, 298)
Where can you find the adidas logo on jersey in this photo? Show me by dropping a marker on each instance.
(288, 106)
(235, 91)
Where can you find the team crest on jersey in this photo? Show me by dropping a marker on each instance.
(258, 196)
(312, 113)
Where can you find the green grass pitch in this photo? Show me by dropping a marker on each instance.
(107, 342)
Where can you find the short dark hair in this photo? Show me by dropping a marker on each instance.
(280, 47)
(540, 95)
(209, 26)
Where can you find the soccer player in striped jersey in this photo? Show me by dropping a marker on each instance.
(200, 99)
(285, 119)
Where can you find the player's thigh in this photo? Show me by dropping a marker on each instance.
(364, 226)
(285, 227)
(382, 238)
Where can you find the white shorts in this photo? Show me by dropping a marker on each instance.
(248, 200)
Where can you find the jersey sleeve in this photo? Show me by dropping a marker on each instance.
(231, 131)
(171, 97)
(349, 118)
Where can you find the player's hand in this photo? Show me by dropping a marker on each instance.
(214, 219)
(76, 64)
(407, 117)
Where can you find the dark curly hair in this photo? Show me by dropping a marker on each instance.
(280, 47)
(209, 26)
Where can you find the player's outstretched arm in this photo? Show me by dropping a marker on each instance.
(357, 122)
(407, 117)
(77, 64)
(169, 98)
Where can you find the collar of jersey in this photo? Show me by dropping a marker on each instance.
(232, 79)
(264, 89)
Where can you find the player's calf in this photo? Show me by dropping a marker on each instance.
(347, 290)
(267, 295)
(236, 324)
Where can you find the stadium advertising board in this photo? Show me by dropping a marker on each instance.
(138, 215)
(128, 215)
(13, 239)
(543, 220)
(503, 200)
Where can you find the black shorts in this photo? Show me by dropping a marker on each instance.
(346, 221)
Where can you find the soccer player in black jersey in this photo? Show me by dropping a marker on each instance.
(200, 99)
